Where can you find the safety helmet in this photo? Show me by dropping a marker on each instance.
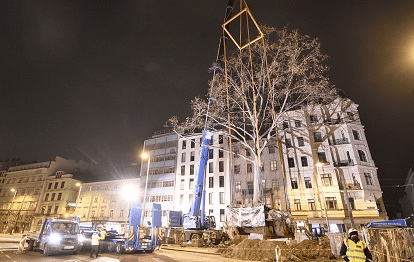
(352, 230)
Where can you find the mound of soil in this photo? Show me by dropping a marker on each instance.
(262, 250)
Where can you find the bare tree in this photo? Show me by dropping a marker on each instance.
(253, 88)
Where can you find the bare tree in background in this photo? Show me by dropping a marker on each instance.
(254, 87)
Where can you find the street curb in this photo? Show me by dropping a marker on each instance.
(191, 251)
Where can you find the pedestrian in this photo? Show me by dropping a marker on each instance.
(354, 249)
(20, 247)
(96, 236)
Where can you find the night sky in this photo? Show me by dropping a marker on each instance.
(92, 80)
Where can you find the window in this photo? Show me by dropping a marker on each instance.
(351, 115)
(330, 202)
(304, 160)
(49, 209)
(322, 157)
(191, 169)
(182, 170)
(182, 157)
(288, 142)
(285, 124)
(308, 182)
(121, 213)
(184, 144)
(291, 162)
(356, 134)
(326, 179)
(238, 186)
(221, 153)
(59, 196)
(297, 205)
(221, 196)
(273, 165)
(210, 153)
(313, 119)
(111, 212)
(220, 139)
(62, 185)
(362, 156)
(275, 183)
(210, 199)
(249, 168)
(294, 182)
(248, 152)
(222, 217)
(298, 123)
(50, 186)
(56, 209)
(237, 169)
(311, 204)
(221, 181)
(271, 149)
(191, 183)
(368, 179)
(378, 206)
(317, 136)
(47, 197)
(221, 166)
(210, 182)
(192, 156)
(351, 202)
(210, 212)
(56, 185)
(211, 167)
(300, 141)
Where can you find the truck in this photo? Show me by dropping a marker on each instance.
(56, 236)
(196, 223)
(138, 237)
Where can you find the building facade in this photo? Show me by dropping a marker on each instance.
(158, 173)
(25, 196)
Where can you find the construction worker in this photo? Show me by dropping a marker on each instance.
(96, 236)
(354, 249)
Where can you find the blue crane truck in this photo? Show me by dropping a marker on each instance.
(56, 236)
(196, 223)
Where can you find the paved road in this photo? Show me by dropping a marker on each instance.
(158, 256)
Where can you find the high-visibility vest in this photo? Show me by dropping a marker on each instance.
(95, 239)
(355, 251)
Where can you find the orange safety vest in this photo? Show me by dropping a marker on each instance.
(355, 251)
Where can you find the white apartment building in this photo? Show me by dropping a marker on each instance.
(327, 159)
(217, 179)
(159, 178)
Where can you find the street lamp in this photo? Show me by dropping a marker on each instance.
(77, 198)
(319, 164)
(144, 156)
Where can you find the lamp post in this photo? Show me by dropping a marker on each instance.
(323, 197)
(77, 198)
(145, 155)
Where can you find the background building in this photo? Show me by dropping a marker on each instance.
(159, 176)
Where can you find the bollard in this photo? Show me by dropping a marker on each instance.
(278, 254)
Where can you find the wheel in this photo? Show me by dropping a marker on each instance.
(195, 237)
(46, 250)
(111, 247)
(149, 251)
(31, 244)
(119, 248)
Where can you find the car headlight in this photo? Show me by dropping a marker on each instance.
(55, 239)
(81, 238)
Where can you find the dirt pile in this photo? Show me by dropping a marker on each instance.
(262, 250)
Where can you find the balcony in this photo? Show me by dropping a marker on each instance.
(341, 141)
(344, 163)
(351, 186)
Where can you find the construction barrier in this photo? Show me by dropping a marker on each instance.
(390, 244)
